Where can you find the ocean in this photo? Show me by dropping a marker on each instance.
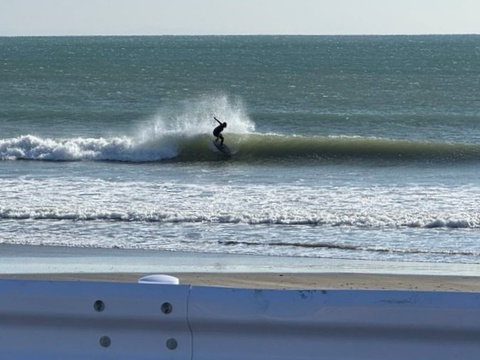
(344, 147)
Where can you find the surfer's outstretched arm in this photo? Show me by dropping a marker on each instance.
(217, 120)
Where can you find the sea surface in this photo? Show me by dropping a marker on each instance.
(344, 147)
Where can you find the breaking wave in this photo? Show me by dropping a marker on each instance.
(249, 147)
(334, 220)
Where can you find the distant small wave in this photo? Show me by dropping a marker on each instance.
(347, 247)
(180, 147)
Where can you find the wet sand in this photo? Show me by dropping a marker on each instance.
(57, 263)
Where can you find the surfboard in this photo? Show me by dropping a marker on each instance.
(224, 149)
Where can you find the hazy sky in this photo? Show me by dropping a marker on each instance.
(158, 17)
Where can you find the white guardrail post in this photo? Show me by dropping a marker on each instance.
(91, 320)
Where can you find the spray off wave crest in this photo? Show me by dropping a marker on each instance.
(183, 132)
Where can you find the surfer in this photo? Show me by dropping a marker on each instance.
(217, 132)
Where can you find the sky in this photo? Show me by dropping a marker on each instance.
(246, 17)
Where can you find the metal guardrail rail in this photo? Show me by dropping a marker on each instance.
(100, 320)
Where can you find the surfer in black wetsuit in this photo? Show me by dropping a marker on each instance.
(217, 132)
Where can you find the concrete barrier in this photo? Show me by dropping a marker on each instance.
(92, 320)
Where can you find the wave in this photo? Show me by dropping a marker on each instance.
(351, 148)
(346, 247)
(335, 221)
(247, 147)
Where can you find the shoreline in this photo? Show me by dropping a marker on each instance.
(244, 271)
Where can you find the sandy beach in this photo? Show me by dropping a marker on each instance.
(288, 280)
(82, 264)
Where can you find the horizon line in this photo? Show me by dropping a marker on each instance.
(240, 34)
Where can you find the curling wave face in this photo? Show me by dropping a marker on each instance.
(248, 147)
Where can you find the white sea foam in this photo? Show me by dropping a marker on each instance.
(252, 205)
(29, 147)
(178, 215)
